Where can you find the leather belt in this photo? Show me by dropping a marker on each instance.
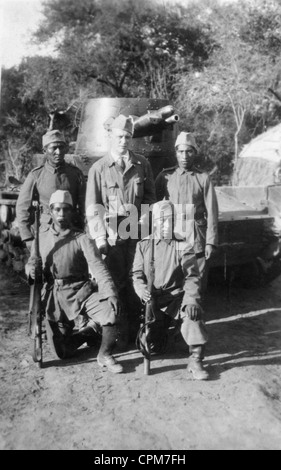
(174, 292)
(68, 280)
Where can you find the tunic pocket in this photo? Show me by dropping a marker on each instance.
(112, 187)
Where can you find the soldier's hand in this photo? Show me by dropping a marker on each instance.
(36, 268)
(28, 244)
(103, 247)
(209, 250)
(114, 304)
(194, 312)
(146, 296)
(32, 272)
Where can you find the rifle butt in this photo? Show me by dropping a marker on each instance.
(35, 295)
(146, 366)
(37, 351)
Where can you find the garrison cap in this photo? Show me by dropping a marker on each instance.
(162, 209)
(61, 196)
(52, 136)
(125, 123)
(186, 138)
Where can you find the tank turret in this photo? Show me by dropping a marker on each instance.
(155, 130)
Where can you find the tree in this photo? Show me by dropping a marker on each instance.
(219, 64)
(226, 100)
(125, 48)
(20, 124)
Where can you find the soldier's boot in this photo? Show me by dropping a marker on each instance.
(123, 333)
(195, 365)
(91, 334)
(74, 339)
(105, 358)
(122, 327)
(58, 338)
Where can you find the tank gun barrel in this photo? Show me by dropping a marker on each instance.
(155, 121)
(172, 119)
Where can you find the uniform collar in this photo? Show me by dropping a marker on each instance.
(116, 157)
(159, 240)
(181, 171)
(54, 170)
(63, 234)
(132, 159)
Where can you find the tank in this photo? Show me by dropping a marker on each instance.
(155, 130)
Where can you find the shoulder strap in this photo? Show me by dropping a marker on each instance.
(198, 181)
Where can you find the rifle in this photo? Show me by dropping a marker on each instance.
(35, 307)
(148, 317)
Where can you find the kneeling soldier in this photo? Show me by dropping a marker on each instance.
(176, 287)
(71, 298)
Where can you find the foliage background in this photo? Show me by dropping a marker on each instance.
(218, 63)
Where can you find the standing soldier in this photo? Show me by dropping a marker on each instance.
(44, 180)
(185, 184)
(119, 183)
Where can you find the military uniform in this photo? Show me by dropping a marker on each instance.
(107, 186)
(193, 187)
(67, 258)
(40, 183)
(117, 192)
(69, 294)
(176, 284)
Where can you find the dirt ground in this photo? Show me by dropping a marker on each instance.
(72, 404)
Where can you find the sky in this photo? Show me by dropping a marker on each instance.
(18, 18)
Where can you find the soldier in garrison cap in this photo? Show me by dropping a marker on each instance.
(78, 310)
(42, 181)
(119, 181)
(186, 184)
(176, 287)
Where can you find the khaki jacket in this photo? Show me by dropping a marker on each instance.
(192, 187)
(115, 193)
(40, 184)
(67, 259)
(176, 270)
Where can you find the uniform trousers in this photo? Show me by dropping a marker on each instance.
(119, 262)
(203, 266)
(95, 312)
(193, 332)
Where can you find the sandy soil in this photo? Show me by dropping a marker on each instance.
(72, 404)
